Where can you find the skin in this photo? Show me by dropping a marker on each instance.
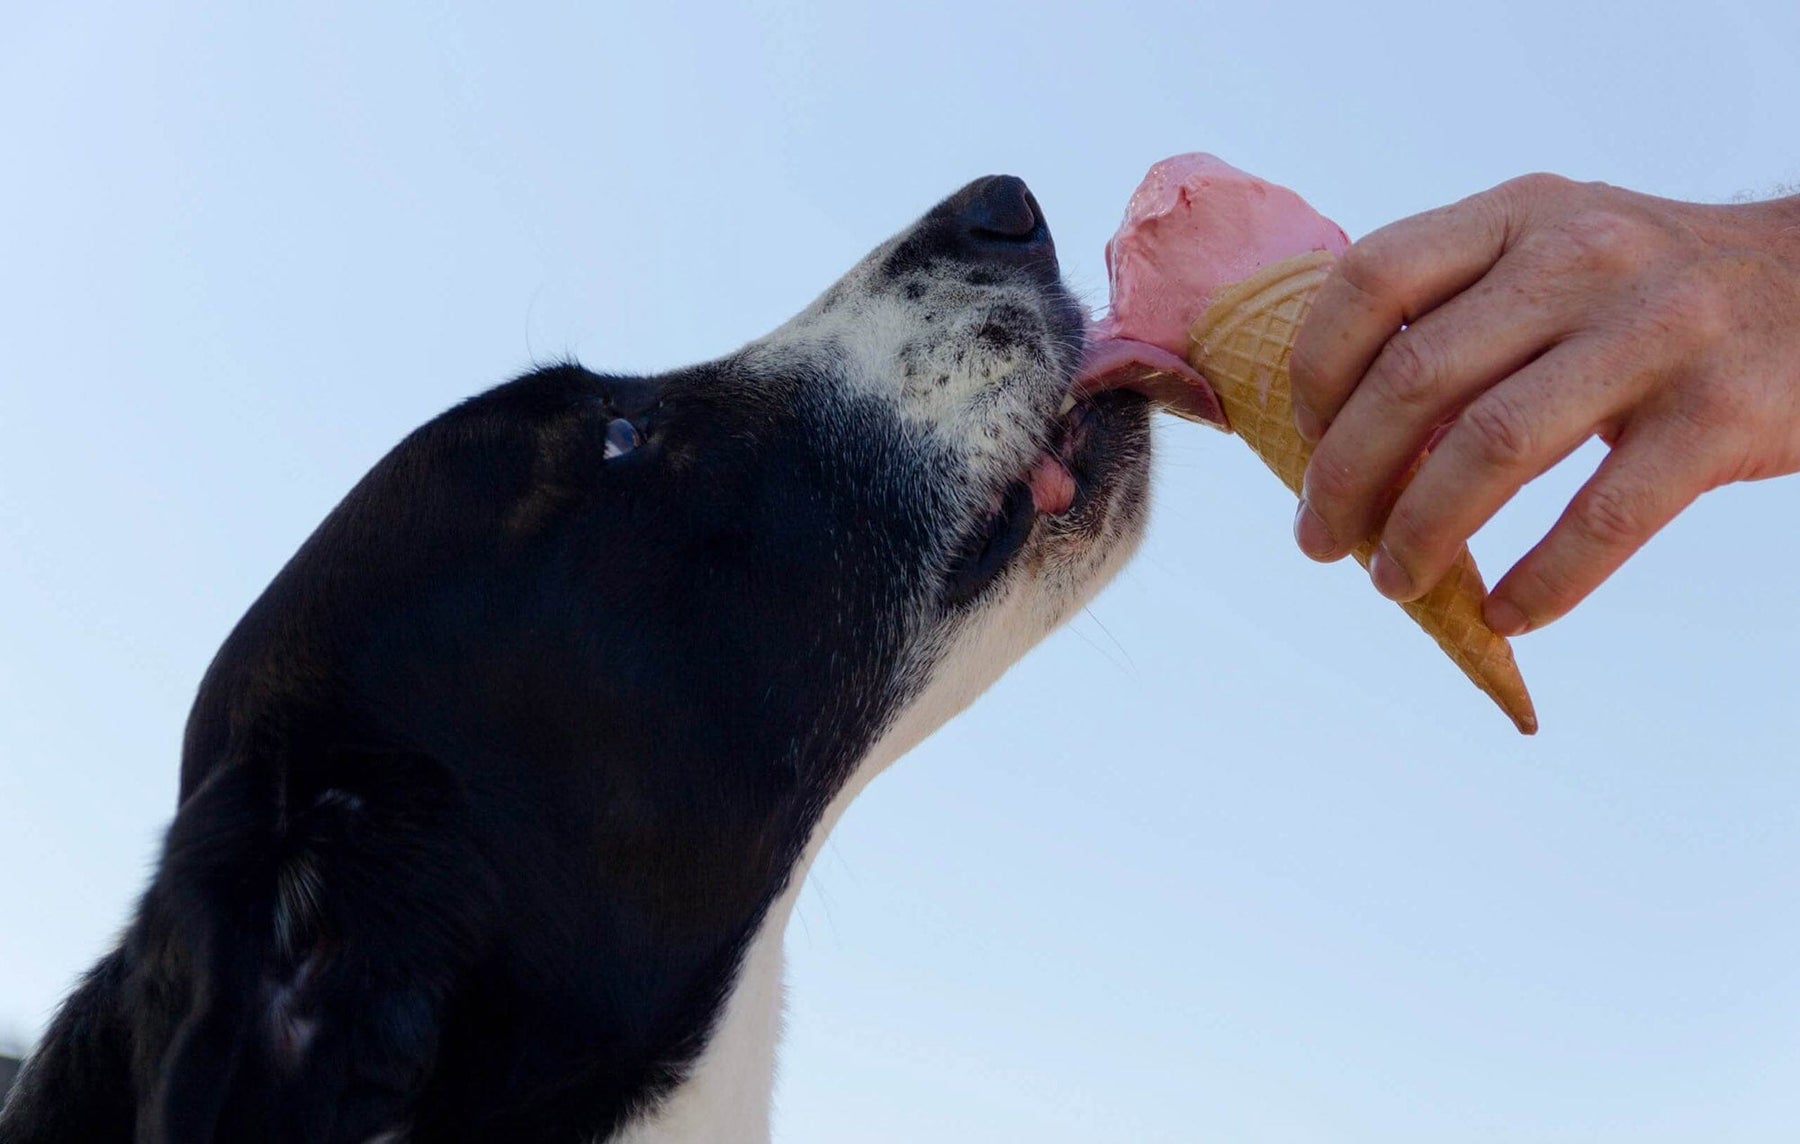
(1506, 330)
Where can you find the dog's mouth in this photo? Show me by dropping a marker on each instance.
(1060, 482)
(1173, 385)
(1061, 478)
(1051, 478)
(1112, 364)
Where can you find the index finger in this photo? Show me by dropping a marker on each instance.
(1385, 280)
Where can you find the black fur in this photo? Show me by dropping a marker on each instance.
(483, 798)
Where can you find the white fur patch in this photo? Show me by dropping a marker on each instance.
(728, 1091)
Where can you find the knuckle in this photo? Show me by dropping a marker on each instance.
(1544, 251)
(1330, 484)
(1601, 239)
(1713, 428)
(1713, 403)
(1408, 534)
(1543, 589)
(1535, 187)
(1611, 515)
(1407, 371)
(1540, 182)
(1499, 432)
(1369, 269)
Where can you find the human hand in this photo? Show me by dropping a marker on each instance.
(1518, 323)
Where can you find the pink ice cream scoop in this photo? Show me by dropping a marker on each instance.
(1195, 224)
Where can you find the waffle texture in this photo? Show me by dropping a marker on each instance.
(1241, 345)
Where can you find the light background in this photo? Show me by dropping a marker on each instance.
(1237, 857)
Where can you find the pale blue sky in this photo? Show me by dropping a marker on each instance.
(1239, 856)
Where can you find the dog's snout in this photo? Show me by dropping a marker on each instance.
(1000, 208)
(994, 222)
(1000, 218)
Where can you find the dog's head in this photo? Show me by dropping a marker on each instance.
(749, 568)
(545, 715)
(496, 791)
(651, 630)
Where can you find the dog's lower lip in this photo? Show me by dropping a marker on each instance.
(1052, 485)
(1051, 478)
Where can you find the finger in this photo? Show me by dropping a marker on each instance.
(1653, 474)
(1507, 436)
(1424, 375)
(1389, 278)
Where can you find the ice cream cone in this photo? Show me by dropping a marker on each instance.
(1241, 346)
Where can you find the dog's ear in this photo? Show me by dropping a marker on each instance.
(313, 946)
(76, 1085)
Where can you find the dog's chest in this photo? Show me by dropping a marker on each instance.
(726, 1095)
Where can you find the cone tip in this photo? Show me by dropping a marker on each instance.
(1525, 719)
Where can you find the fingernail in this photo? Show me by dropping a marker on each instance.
(1308, 424)
(1390, 579)
(1505, 617)
(1311, 534)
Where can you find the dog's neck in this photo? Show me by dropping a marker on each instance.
(728, 1089)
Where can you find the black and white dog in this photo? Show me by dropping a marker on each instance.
(496, 803)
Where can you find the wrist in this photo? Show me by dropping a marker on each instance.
(1777, 221)
(1788, 224)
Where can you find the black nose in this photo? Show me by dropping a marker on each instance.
(1000, 208)
(993, 224)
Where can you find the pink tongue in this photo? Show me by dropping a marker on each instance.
(1052, 487)
(1126, 363)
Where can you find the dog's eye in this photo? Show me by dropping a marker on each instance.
(621, 438)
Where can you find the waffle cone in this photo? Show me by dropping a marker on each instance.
(1241, 345)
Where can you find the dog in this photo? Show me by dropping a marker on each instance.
(494, 806)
